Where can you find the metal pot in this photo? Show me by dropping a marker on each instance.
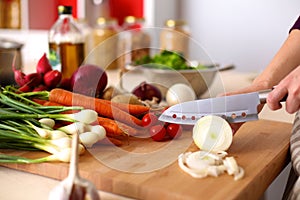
(10, 55)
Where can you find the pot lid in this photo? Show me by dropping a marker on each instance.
(6, 44)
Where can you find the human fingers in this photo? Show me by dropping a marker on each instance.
(275, 96)
(293, 99)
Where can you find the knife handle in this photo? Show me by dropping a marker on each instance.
(263, 94)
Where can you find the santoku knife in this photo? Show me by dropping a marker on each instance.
(235, 108)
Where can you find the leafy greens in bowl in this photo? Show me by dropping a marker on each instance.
(169, 60)
(168, 68)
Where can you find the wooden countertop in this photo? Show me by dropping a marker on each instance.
(260, 147)
(148, 170)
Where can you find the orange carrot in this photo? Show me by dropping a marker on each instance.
(50, 103)
(116, 128)
(131, 108)
(103, 108)
(110, 126)
(40, 101)
(111, 141)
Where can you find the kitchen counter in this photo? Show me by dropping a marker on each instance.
(21, 185)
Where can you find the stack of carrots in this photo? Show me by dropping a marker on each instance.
(119, 119)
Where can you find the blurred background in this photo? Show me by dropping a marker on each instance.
(246, 33)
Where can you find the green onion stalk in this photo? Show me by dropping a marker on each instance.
(21, 127)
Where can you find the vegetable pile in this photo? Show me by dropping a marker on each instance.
(27, 125)
(88, 79)
(160, 131)
(43, 79)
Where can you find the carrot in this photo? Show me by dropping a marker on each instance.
(50, 103)
(110, 126)
(101, 106)
(40, 101)
(116, 128)
(131, 108)
(111, 141)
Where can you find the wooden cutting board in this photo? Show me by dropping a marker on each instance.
(144, 169)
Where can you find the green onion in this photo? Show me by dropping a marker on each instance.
(23, 126)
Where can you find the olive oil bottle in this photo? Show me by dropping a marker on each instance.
(66, 43)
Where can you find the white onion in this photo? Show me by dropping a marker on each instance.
(212, 133)
(48, 122)
(179, 93)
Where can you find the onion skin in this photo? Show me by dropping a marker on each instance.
(52, 78)
(19, 77)
(146, 91)
(90, 80)
(43, 66)
(33, 79)
(40, 88)
(65, 83)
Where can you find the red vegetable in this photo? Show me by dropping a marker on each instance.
(146, 91)
(25, 88)
(43, 65)
(33, 79)
(90, 80)
(19, 77)
(174, 130)
(65, 84)
(52, 78)
(40, 88)
(149, 120)
(158, 132)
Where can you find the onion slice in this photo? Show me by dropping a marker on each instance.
(201, 164)
(212, 133)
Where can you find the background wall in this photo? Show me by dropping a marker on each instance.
(246, 33)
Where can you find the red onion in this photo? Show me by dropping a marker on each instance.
(33, 79)
(43, 65)
(65, 84)
(19, 77)
(146, 91)
(40, 88)
(90, 80)
(52, 78)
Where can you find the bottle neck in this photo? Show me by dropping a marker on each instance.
(63, 16)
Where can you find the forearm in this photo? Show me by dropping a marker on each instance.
(286, 59)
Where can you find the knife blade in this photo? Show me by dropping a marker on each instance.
(235, 108)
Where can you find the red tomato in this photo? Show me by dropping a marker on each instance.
(158, 132)
(174, 130)
(149, 120)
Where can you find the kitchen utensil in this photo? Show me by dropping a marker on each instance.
(235, 108)
(74, 186)
(10, 54)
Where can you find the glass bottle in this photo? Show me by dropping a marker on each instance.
(134, 43)
(66, 43)
(175, 37)
(105, 42)
(86, 30)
